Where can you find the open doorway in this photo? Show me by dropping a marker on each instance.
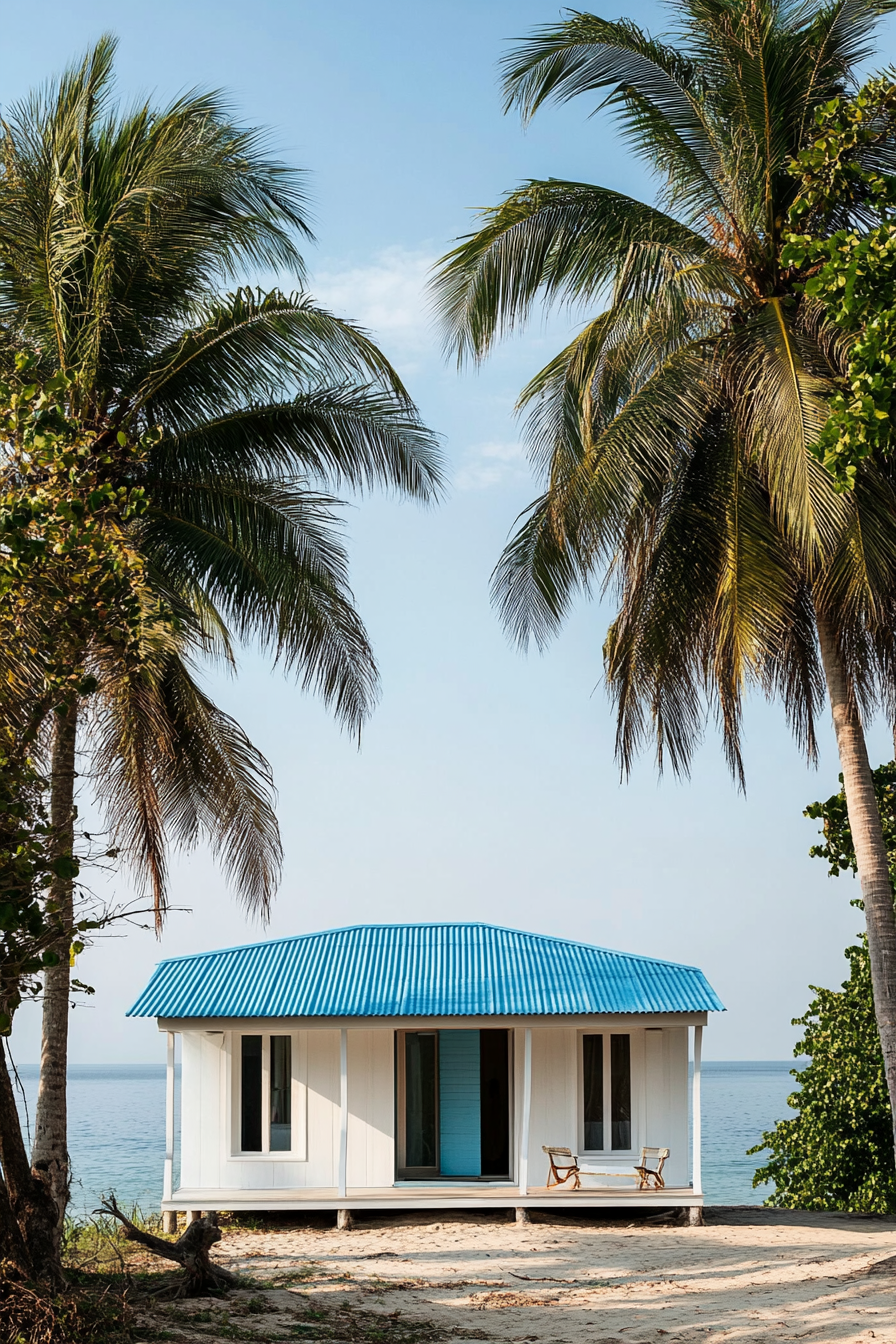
(453, 1104)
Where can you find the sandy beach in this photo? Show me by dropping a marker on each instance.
(747, 1275)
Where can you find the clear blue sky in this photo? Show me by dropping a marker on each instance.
(486, 786)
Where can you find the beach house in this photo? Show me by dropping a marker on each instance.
(430, 1065)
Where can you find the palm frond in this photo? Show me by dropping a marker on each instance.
(269, 558)
(778, 385)
(600, 479)
(246, 345)
(171, 767)
(114, 224)
(557, 239)
(220, 788)
(354, 437)
(839, 38)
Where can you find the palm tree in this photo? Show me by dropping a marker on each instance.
(119, 234)
(675, 432)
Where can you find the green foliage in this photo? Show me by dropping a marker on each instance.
(29, 928)
(838, 849)
(98, 1243)
(852, 271)
(837, 1152)
(67, 571)
(67, 566)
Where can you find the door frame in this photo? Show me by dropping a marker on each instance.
(402, 1171)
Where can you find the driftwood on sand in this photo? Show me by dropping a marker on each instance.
(191, 1251)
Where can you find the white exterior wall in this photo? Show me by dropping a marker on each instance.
(667, 1098)
(371, 1108)
(210, 1121)
(314, 1160)
(659, 1061)
(554, 1088)
(203, 1108)
(210, 1118)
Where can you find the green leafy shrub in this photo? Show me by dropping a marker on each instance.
(837, 1152)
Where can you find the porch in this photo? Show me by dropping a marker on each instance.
(439, 1195)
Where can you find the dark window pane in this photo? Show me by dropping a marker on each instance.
(250, 1095)
(621, 1090)
(593, 1060)
(494, 1102)
(281, 1094)
(420, 1099)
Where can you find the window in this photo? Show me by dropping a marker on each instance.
(593, 1059)
(621, 1090)
(250, 1095)
(281, 1094)
(606, 1073)
(265, 1105)
(421, 1101)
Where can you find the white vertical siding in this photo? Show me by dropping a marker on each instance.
(659, 1099)
(677, 1054)
(553, 1118)
(322, 1167)
(371, 1108)
(300, 1097)
(190, 1109)
(202, 1108)
(667, 1098)
(211, 1115)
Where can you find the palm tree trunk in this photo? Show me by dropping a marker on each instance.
(49, 1157)
(28, 1215)
(871, 851)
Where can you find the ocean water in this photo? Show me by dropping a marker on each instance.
(117, 1128)
(116, 1125)
(739, 1102)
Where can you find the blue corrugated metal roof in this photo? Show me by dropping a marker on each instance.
(420, 970)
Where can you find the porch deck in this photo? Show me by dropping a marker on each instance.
(441, 1196)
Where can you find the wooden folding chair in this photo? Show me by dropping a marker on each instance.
(561, 1160)
(654, 1174)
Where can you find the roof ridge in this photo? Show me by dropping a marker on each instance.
(428, 924)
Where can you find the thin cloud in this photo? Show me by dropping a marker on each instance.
(492, 464)
(388, 296)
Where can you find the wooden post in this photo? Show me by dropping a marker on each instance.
(343, 1110)
(527, 1108)
(168, 1180)
(697, 1178)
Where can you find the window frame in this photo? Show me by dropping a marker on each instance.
(267, 1153)
(608, 1152)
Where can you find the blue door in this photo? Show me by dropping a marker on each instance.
(460, 1124)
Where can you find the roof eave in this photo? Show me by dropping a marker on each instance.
(685, 1018)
